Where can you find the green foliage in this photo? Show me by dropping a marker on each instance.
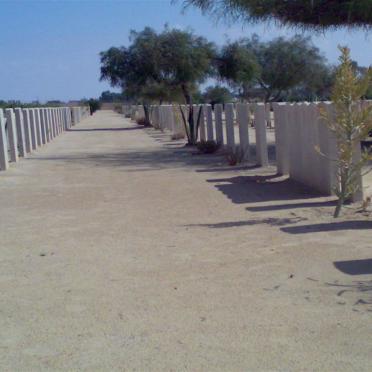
(276, 67)
(313, 14)
(237, 65)
(94, 105)
(217, 94)
(285, 64)
(108, 96)
(351, 123)
(157, 66)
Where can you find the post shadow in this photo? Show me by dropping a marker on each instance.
(328, 226)
(355, 267)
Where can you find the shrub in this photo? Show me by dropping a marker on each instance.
(207, 147)
(235, 156)
(177, 136)
(143, 121)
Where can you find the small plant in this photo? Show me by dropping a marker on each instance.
(235, 156)
(351, 123)
(207, 147)
(177, 136)
(143, 121)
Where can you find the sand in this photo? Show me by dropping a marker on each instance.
(123, 251)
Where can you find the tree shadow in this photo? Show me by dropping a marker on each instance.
(138, 160)
(328, 226)
(355, 267)
(252, 222)
(268, 208)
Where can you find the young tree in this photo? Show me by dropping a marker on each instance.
(350, 123)
(313, 14)
(186, 62)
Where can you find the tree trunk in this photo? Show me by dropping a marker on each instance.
(193, 136)
(147, 114)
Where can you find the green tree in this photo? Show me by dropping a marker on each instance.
(217, 94)
(237, 65)
(136, 69)
(313, 14)
(186, 62)
(351, 123)
(284, 64)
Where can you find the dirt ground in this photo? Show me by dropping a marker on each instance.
(122, 250)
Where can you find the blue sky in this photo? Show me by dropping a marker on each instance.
(49, 49)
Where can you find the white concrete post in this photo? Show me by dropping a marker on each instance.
(207, 110)
(54, 121)
(47, 125)
(4, 161)
(42, 126)
(242, 117)
(218, 120)
(261, 140)
(33, 128)
(281, 138)
(20, 132)
(12, 134)
(54, 113)
(38, 127)
(229, 117)
(202, 129)
(27, 129)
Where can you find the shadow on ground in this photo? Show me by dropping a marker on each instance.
(329, 226)
(355, 267)
(103, 129)
(261, 188)
(251, 222)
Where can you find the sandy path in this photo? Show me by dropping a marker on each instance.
(121, 251)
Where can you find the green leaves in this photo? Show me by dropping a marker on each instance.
(351, 122)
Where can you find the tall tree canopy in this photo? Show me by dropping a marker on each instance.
(315, 14)
(275, 67)
(158, 64)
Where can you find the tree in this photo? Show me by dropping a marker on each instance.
(186, 62)
(135, 69)
(317, 87)
(159, 66)
(237, 65)
(108, 96)
(313, 14)
(284, 64)
(217, 94)
(351, 123)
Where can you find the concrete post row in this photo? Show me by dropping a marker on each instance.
(24, 130)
